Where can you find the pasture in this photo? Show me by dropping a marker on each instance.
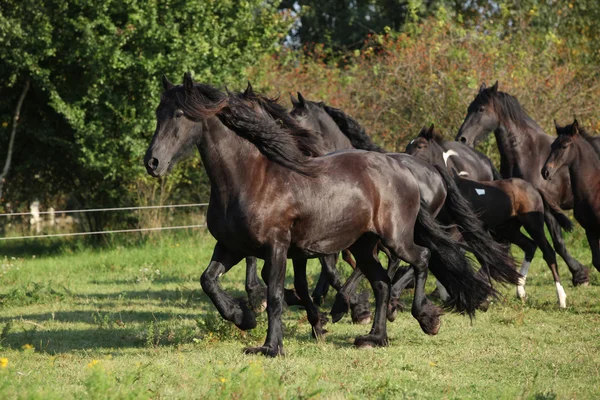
(132, 322)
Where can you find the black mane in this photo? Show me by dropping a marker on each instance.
(506, 106)
(258, 119)
(351, 128)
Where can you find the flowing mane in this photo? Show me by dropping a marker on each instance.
(258, 119)
(506, 106)
(351, 128)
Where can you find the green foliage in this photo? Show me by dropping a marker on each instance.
(95, 69)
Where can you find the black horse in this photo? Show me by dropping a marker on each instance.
(523, 147)
(575, 149)
(437, 190)
(503, 206)
(272, 199)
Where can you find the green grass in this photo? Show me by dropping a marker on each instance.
(132, 322)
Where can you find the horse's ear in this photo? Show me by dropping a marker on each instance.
(482, 87)
(294, 100)
(575, 127)
(188, 83)
(301, 101)
(494, 88)
(431, 131)
(423, 132)
(556, 125)
(166, 83)
(249, 91)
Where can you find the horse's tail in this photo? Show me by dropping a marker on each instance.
(450, 265)
(556, 212)
(352, 129)
(494, 258)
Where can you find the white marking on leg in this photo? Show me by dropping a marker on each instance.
(521, 286)
(447, 155)
(562, 296)
(442, 290)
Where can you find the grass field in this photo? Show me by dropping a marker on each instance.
(132, 322)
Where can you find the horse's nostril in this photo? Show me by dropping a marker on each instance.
(153, 163)
(463, 140)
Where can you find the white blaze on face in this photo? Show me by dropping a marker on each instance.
(562, 296)
(521, 286)
(447, 155)
(442, 290)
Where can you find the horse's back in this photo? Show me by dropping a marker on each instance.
(467, 161)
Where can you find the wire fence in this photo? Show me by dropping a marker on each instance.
(163, 228)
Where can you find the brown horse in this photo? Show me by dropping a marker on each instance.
(272, 199)
(575, 149)
(503, 206)
(523, 147)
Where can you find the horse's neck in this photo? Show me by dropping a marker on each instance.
(229, 160)
(510, 137)
(584, 170)
(439, 156)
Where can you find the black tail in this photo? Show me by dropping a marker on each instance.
(451, 266)
(495, 258)
(556, 212)
(352, 129)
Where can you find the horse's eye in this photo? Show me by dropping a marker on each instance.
(481, 109)
(178, 114)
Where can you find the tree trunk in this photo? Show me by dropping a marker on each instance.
(12, 136)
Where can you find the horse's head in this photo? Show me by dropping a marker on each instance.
(309, 114)
(482, 117)
(561, 152)
(424, 146)
(179, 125)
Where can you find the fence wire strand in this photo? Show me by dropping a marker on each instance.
(103, 209)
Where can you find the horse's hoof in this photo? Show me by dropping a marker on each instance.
(582, 278)
(291, 298)
(484, 306)
(257, 299)
(248, 320)
(429, 319)
(369, 341)
(339, 308)
(363, 320)
(392, 314)
(265, 351)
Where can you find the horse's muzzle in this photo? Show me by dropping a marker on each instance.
(152, 166)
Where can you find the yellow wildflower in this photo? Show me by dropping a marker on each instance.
(3, 362)
(223, 380)
(27, 346)
(93, 363)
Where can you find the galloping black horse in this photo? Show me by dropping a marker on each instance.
(436, 186)
(577, 150)
(523, 147)
(503, 206)
(272, 199)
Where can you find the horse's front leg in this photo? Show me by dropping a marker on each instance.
(257, 291)
(274, 275)
(234, 310)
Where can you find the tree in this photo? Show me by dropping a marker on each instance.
(94, 69)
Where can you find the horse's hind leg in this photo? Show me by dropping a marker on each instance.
(329, 276)
(346, 299)
(363, 251)
(512, 233)
(316, 319)
(236, 311)
(257, 291)
(401, 279)
(534, 225)
(579, 272)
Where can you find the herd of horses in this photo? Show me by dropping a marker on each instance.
(310, 183)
